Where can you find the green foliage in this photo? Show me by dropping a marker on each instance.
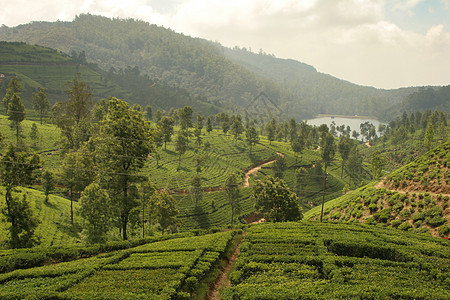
(41, 102)
(275, 200)
(122, 147)
(16, 170)
(164, 210)
(95, 209)
(337, 261)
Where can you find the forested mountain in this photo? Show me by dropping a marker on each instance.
(206, 70)
(320, 92)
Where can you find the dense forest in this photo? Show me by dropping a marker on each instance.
(228, 78)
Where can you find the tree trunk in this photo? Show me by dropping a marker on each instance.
(124, 220)
(323, 195)
(71, 206)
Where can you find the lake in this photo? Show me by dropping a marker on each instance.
(353, 121)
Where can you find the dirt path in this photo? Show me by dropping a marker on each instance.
(245, 180)
(380, 185)
(222, 279)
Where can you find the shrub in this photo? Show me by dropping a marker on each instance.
(444, 230)
(436, 221)
(395, 223)
(373, 207)
(370, 221)
(405, 226)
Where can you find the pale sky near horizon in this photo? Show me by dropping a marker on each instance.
(380, 43)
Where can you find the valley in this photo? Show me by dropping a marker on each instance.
(177, 168)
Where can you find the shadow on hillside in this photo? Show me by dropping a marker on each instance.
(253, 158)
(201, 218)
(70, 230)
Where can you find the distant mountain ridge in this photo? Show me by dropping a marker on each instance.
(230, 78)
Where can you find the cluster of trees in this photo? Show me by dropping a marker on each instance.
(433, 126)
(106, 145)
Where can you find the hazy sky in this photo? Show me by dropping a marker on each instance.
(381, 43)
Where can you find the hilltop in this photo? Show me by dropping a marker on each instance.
(230, 78)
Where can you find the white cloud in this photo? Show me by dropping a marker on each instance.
(406, 5)
(350, 39)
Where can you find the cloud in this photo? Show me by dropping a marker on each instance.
(405, 5)
(350, 39)
(18, 12)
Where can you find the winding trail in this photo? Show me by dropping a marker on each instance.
(222, 279)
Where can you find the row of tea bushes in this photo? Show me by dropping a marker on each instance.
(339, 261)
(159, 270)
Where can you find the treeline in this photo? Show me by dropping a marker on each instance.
(428, 98)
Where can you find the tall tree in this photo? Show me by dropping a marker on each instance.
(165, 210)
(14, 87)
(429, 136)
(209, 125)
(181, 145)
(71, 116)
(232, 194)
(122, 148)
(252, 137)
(77, 172)
(41, 102)
(16, 113)
(271, 128)
(378, 162)
(16, 169)
(237, 128)
(344, 147)
(95, 209)
(354, 163)
(279, 167)
(34, 134)
(196, 189)
(185, 115)
(297, 145)
(166, 125)
(275, 200)
(79, 101)
(48, 182)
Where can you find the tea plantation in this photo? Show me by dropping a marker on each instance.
(171, 269)
(339, 261)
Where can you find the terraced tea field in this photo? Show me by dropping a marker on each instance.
(160, 270)
(339, 261)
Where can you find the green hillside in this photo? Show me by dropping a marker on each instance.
(175, 268)
(54, 228)
(414, 197)
(276, 261)
(37, 66)
(209, 72)
(338, 261)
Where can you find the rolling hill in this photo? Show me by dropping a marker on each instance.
(230, 78)
(414, 197)
(37, 66)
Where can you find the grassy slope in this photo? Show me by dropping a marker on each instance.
(54, 228)
(37, 66)
(414, 197)
(224, 156)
